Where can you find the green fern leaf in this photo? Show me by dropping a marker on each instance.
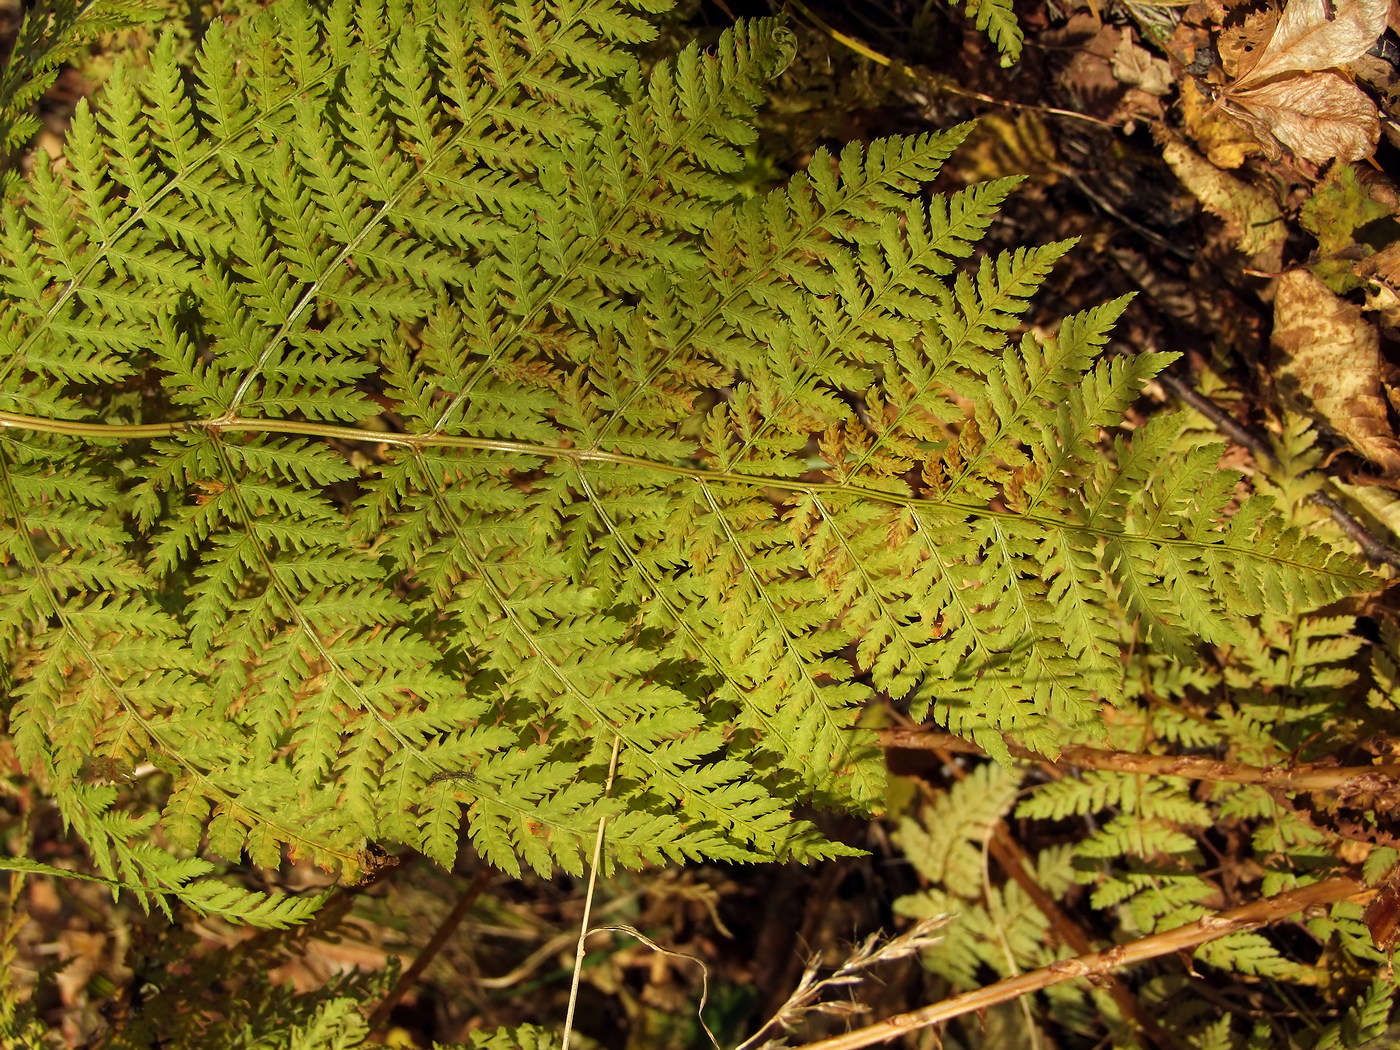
(997, 19)
(405, 410)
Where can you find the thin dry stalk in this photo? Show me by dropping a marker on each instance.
(1300, 777)
(868, 954)
(1183, 938)
(588, 906)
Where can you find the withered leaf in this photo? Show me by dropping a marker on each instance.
(1384, 265)
(1251, 214)
(1135, 65)
(1222, 138)
(1240, 46)
(1331, 361)
(1382, 274)
(1319, 116)
(1289, 96)
(1383, 913)
(1318, 34)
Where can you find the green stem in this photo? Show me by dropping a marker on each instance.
(239, 424)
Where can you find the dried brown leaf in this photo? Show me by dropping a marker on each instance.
(1384, 302)
(1136, 66)
(1240, 46)
(1251, 214)
(1384, 265)
(1308, 40)
(1331, 359)
(1382, 274)
(1319, 116)
(1383, 913)
(1215, 133)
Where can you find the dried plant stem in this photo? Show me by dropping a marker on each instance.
(1300, 777)
(588, 906)
(245, 425)
(1012, 859)
(872, 952)
(1183, 938)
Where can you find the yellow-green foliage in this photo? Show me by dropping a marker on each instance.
(1156, 852)
(402, 413)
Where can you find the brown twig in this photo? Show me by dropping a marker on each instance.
(1016, 864)
(444, 932)
(1109, 209)
(1301, 777)
(1377, 551)
(1013, 860)
(1183, 938)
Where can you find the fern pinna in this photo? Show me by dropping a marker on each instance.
(403, 412)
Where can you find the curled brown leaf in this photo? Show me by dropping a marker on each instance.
(1319, 116)
(1314, 35)
(1291, 93)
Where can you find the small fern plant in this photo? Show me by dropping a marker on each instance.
(406, 424)
(1153, 851)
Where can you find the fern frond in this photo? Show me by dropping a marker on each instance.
(337, 1024)
(947, 842)
(523, 1037)
(997, 19)
(52, 33)
(148, 868)
(473, 421)
(1365, 1023)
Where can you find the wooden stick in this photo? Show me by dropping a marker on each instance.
(380, 1016)
(1183, 938)
(1300, 777)
(1020, 869)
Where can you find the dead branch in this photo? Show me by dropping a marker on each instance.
(1306, 776)
(1020, 868)
(1183, 938)
(445, 930)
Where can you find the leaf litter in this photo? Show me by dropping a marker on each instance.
(1291, 92)
(1330, 361)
